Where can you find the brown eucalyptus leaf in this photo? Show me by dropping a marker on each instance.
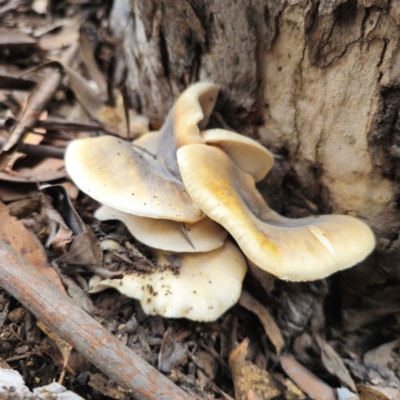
(87, 54)
(46, 170)
(14, 233)
(66, 33)
(14, 38)
(172, 353)
(334, 364)
(268, 322)
(382, 354)
(210, 368)
(306, 380)
(369, 393)
(23, 208)
(85, 248)
(36, 103)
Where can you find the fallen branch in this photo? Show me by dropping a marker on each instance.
(59, 313)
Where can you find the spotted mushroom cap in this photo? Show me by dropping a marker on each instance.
(206, 285)
(292, 249)
(112, 172)
(204, 235)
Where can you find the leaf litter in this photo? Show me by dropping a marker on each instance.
(275, 344)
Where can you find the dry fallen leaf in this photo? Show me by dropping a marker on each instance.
(248, 377)
(306, 380)
(14, 233)
(269, 324)
(11, 191)
(23, 208)
(382, 354)
(36, 103)
(85, 248)
(112, 119)
(172, 353)
(14, 38)
(66, 33)
(369, 393)
(87, 54)
(334, 364)
(210, 368)
(46, 170)
(61, 236)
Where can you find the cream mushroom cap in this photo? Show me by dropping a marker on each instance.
(148, 141)
(250, 156)
(188, 117)
(204, 235)
(112, 172)
(206, 286)
(192, 112)
(246, 153)
(293, 249)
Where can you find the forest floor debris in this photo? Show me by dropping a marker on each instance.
(277, 343)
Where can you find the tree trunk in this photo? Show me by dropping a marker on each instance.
(318, 83)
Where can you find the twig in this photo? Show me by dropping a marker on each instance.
(56, 125)
(40, 151)
(93, 341)
(36, 103)
(215, 354)
(11, 329)
(26, 355)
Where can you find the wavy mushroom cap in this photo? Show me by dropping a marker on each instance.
(206, 285)
(148, 141)
(192, 112)
(204, 235)
(189, 115)
(112, 172)
(246, 153)
(293, 249)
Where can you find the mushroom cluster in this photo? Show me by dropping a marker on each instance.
(181, 191)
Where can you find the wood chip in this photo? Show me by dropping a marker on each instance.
(248, 379)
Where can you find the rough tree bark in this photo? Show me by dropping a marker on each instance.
(318, 83)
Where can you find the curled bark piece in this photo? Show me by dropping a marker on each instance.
(87, 336)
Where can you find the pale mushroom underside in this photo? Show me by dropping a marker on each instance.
(207, 284)
(163, 234)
